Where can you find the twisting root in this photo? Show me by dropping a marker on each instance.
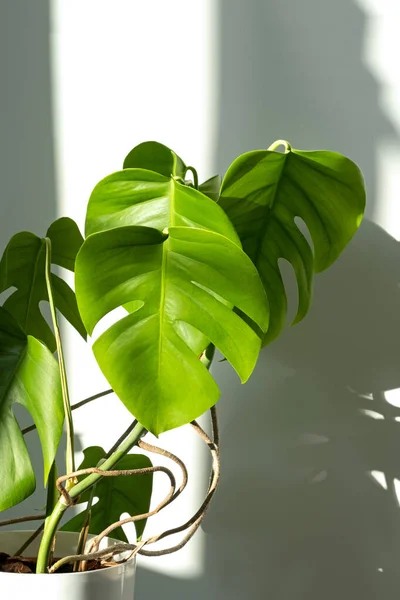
(22, 519)
(116, 473)
(155, 450)
(197, 518)
(214, 424)
(94, 545)
(191, 525)
(101, 554)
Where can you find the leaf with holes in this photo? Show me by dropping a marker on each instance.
(264, 191)
(28, 376)
(23, 266)
(188, 280)
(141, 197)
(117, 495)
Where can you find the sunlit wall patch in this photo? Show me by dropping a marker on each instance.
(120, 77)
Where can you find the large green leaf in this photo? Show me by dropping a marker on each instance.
(29, 375)
(140, 197)
(117, 495)
(186, 281)
(264, 191)
(154, 156)
(23, 267)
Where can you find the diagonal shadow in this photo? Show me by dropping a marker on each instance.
(298, 497)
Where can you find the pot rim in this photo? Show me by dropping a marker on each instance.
(105, 543)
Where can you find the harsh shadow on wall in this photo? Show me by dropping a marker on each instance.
(299, 515)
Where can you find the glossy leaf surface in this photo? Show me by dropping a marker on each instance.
(66, 239)
(23, 267)
(117, 495)
(187, 281)
(29, 376)
(154, 156)
(264, 191)
(140, 197)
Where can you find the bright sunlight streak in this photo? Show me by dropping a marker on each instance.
(121, 77)
(381, 51)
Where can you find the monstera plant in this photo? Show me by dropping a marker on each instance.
(195, 268)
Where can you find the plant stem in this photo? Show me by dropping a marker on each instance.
(278, 143)
(52, 496)
(91, 398)
(120, 439)
(78, 489)
(195, 176)
(29, 541)
(208, 356)
(88, 515)
(110, 462)
(83, 534)
(48, 535)
(88, 510)
(70, 455)
(52, 492)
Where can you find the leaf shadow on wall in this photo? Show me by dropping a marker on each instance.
(298, 510)
(298, 514)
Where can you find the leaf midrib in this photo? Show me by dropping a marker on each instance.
(323, 170)
(270, 213)
(313, 204)
(164, 266)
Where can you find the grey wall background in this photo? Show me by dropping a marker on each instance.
(28, 199)
(27, 161)
(297, 516)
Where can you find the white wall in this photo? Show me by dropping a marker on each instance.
(298, 514)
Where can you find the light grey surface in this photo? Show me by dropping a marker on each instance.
(296, 517)
(27, 176)
(27, 158)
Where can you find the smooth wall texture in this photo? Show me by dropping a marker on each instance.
(298, 514)
(28, 194)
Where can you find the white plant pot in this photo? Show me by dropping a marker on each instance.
(113, 583)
